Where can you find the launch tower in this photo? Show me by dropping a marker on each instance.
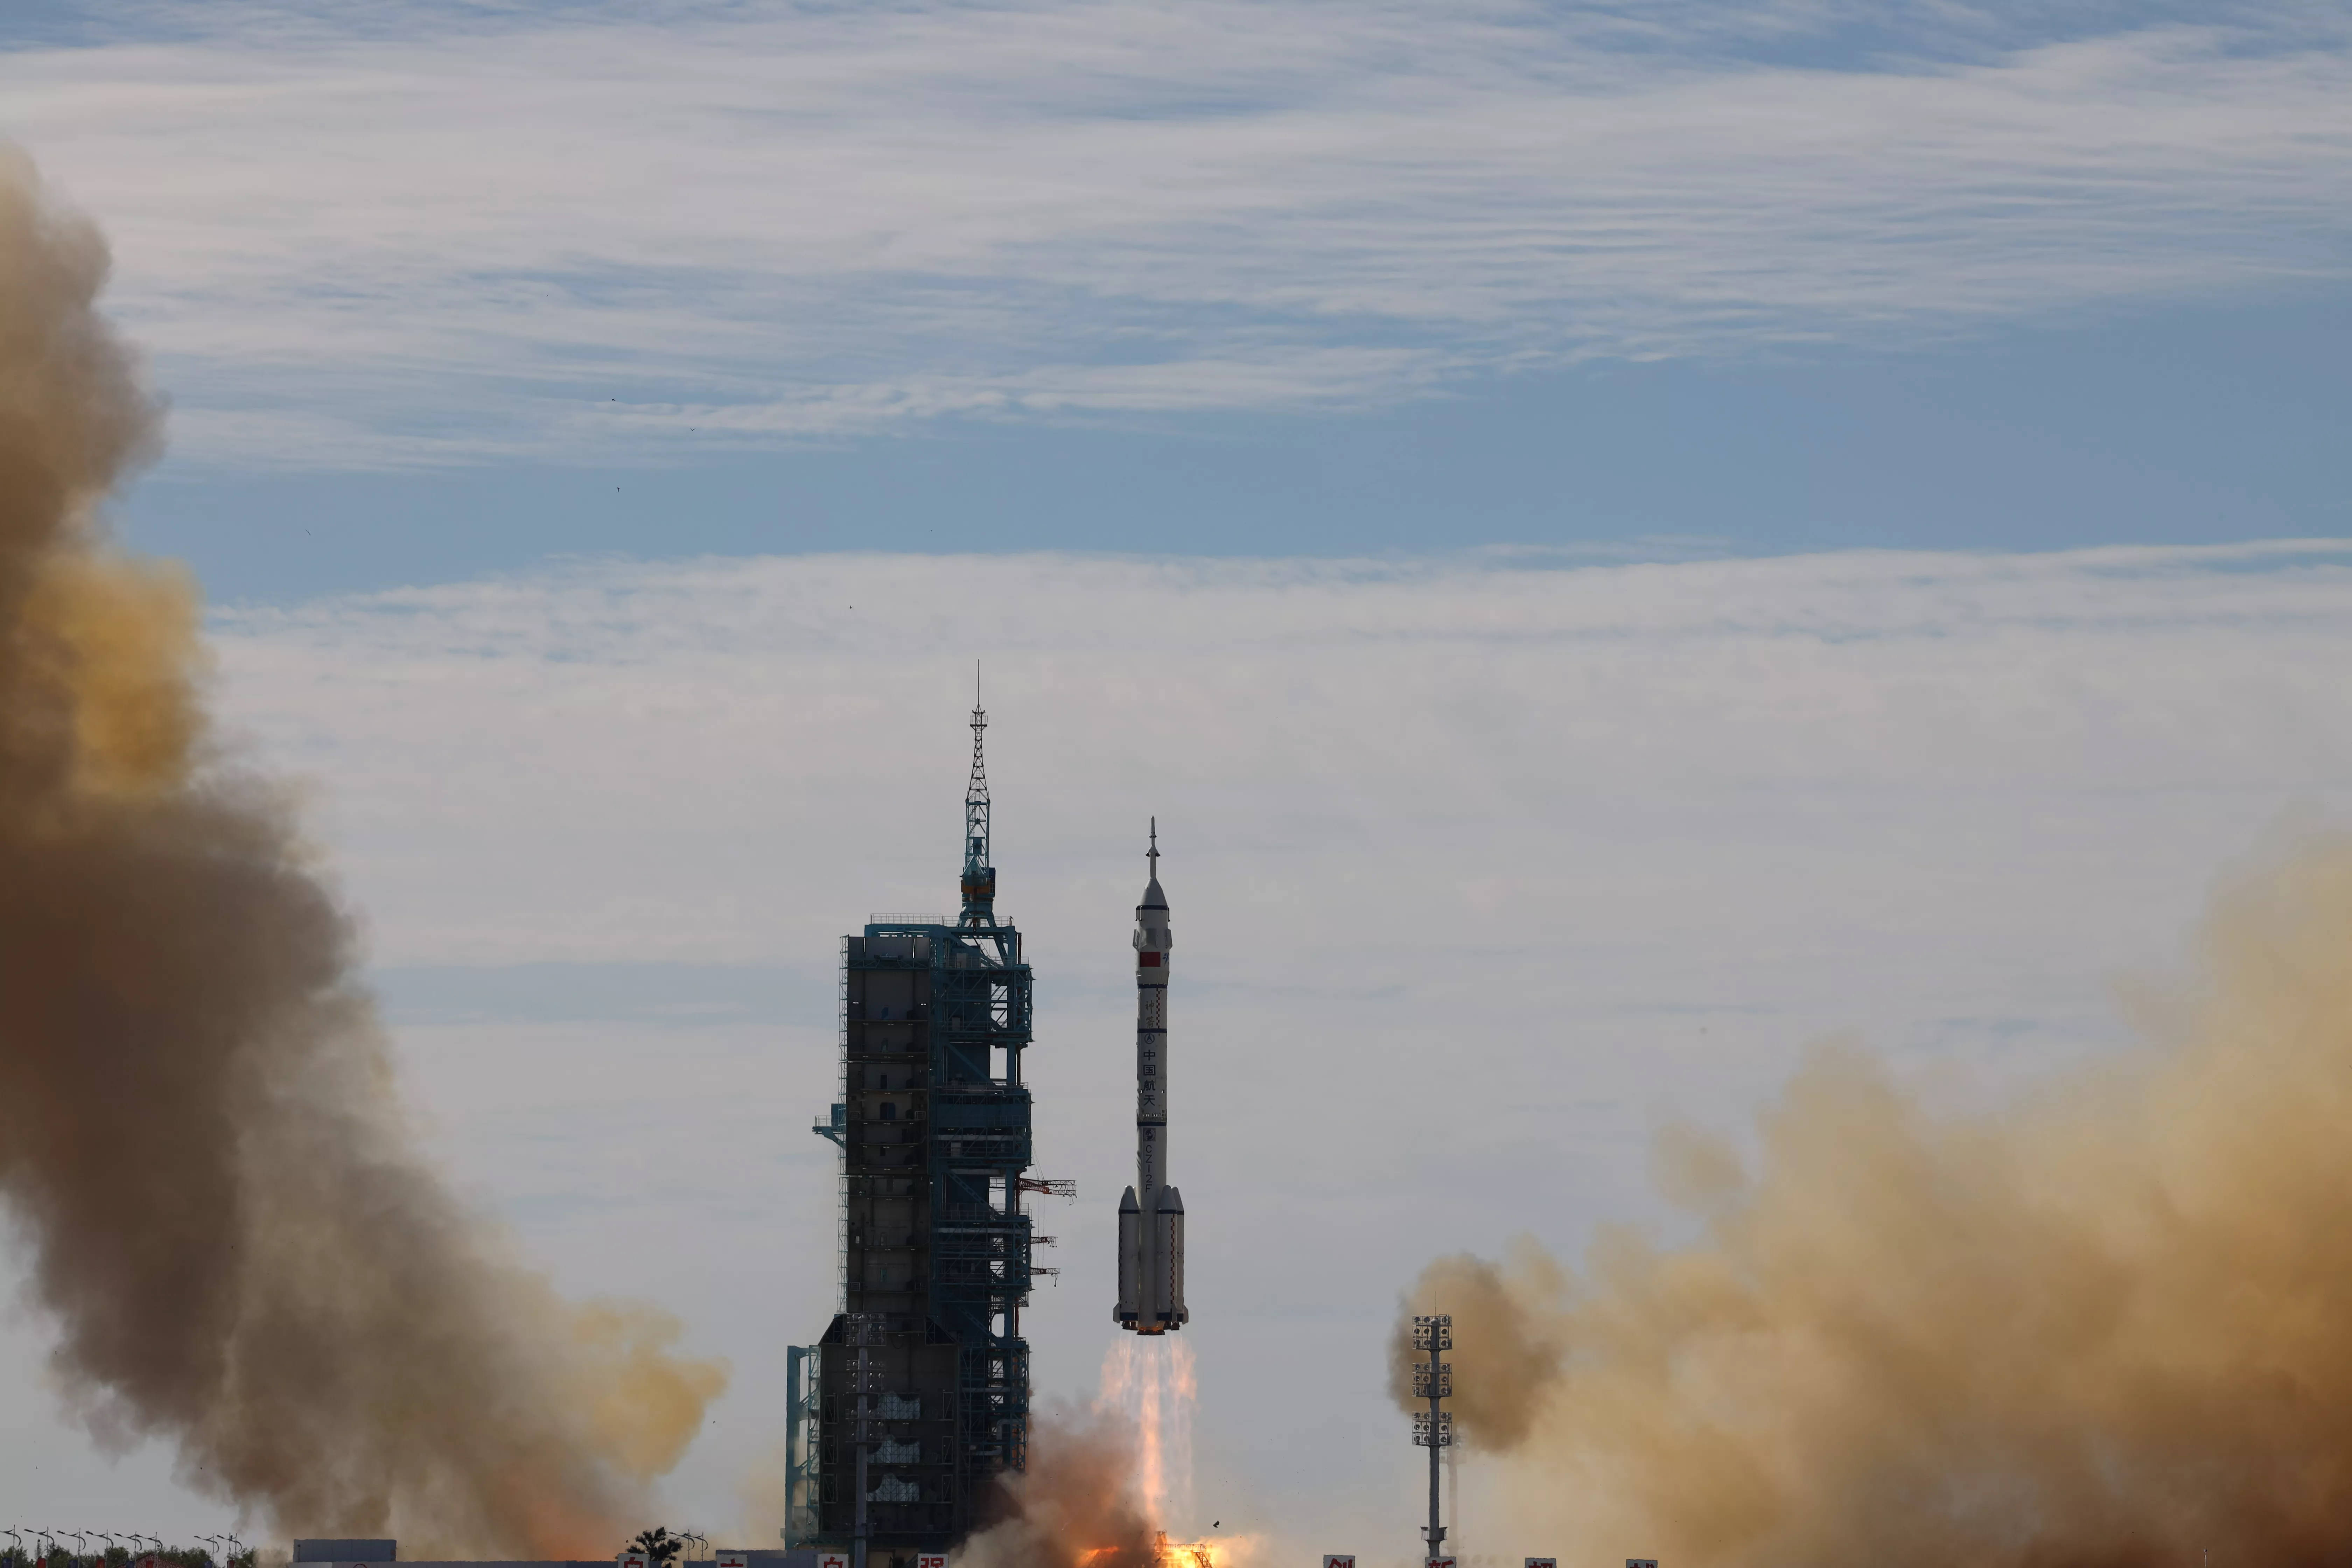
(918, 1392)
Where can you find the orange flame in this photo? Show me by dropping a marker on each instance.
(1227, 1551)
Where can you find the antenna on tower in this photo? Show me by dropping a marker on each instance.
(978, 876)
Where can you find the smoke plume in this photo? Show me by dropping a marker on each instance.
(1077, 1505)
(218, 1200)
(2108, 1328)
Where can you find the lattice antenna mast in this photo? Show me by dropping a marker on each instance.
(978, 876)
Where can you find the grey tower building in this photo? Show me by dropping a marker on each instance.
(918, 1394)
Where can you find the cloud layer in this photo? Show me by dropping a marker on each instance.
(1545, 851)
(1483, 868)
(452, 233)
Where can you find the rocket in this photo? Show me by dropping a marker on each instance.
(1152, 1213)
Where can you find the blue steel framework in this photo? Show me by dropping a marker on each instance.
(934, 1127)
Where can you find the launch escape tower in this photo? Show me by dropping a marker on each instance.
(918, 1392)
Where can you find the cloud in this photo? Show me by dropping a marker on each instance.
(1538, 852)
(455, 234)
(1933, 770)
(1535, 852)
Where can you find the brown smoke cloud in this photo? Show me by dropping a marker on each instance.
(2108, 1328)
(1078, 1506)
(200, 1145)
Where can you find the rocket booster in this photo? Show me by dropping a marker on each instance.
(1152, 1213)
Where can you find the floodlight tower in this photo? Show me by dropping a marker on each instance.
(1434, 1429)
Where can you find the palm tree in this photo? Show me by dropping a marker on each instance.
(659, 1544)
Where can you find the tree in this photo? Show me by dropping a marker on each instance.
(659, 1544)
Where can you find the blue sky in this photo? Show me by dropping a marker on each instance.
(1747, 524)
(444, 289)
(2215, 424)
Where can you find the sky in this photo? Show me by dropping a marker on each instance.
(441, 289)
(1619, 542)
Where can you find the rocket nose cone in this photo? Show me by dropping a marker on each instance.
(1153, 898)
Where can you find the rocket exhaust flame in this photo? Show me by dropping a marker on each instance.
(2110, 1327)
(1148, 1385)
(221, 1205)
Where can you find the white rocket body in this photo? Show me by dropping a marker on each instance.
(1152, 1213)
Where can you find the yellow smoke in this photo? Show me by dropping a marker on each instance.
(223, 1213)
(121, 637)
(2110, 1326)
(648, 1404)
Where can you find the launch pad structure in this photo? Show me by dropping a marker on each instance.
(917, 1396)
